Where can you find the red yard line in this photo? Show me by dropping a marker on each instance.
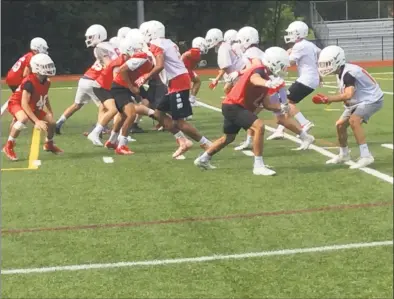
(197, 219)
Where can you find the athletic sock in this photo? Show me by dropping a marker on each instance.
(364, 151)
(205, 157)
(249, 139)
(10, 138)
(344, 151)
(61, 121)
(113, 138)
(122, 141)
(301, 119)
(258, 161)
(97, 129)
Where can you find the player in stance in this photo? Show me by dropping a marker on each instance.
(228, 60)
(21, 68)
(191, 58)
(176, 102)
(304, 54)
(94, 35)
(362, 97)
(27, 103)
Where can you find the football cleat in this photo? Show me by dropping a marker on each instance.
(8, 150)
(363, 162)
(49, 146)
(123, 150)
(339, 159)
(110, 145)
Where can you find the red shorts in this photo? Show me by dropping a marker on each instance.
(14, 108)
(192, 74)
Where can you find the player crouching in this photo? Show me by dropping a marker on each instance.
(362, 97)
(250, 91)
(28, 102)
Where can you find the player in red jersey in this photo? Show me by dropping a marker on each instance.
(28, 102)
(176, 102)
(95, 35)
(192, 58)
(21, 68)
(253, 89)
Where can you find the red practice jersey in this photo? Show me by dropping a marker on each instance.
(191, 58)
(106, 77)
(139, 64)
(38, 90)
(94, 71)
(15, 74)
(245, 93)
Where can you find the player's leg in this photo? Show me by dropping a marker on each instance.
(107, 115)
(248, 143)
(196, 84)
(129, 112)
(180, 110)
(112, 141)
(361, 115)
(49, 144)
(19, 123)
(296, 93)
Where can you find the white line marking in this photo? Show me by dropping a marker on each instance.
(4, 107)
(200, 259)
(330, 147)
(388, 145)
(108, 160)
(324, 152)
(248, 153)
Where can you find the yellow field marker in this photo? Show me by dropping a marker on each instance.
(13, 169)
(34, 149)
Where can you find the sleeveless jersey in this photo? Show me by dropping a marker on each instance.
(15, 74)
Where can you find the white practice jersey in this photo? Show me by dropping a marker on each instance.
(237, 49)
(252, 53)
(228, 59)
(106, 49)
(173, 64)
(306, 54)
(367, 90)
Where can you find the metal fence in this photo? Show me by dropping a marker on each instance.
(340, 10)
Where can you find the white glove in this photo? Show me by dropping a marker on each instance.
(232, 76)
(274, 83)
(202, 63)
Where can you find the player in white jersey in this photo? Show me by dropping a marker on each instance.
(176, 101)
(304, 55)
(228, 59)
(95, 35)
(362, 97)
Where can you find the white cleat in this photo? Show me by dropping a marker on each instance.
(276, 136)
(307, 127)
(243, 146)
(206, 165)
(363, 162)
(339, 159)
(308, 140)
(263, 170)
(95, 140)
(189, 117)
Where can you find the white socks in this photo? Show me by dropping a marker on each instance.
(249, 139)
(364, 151)
(301, 119)
(205, 141)
(61, 120)
(10, 138)
(98, 129)
(205, 157)
(113, 138)
(179, 135)
(122, 141)
(344, 151)
(258, 161)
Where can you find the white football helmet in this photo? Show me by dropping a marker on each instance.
(95, 34)
(277, 61)
(132, 45)
(39, 45)
(248, 36)
(331, 58)
(296, 31)
(43, 65)
(200, 43)
(152, 30)
(133, 33)
(122, 32)
(230, 36)
(213, 37)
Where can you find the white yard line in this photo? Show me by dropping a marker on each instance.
(320, 150)
(201, 259)
(388, 145)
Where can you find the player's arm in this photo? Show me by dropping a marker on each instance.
(159, 66)
(26, 71)
(186, 55)
(349, 82)
(123, 71)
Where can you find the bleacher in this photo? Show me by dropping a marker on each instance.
(362, 39)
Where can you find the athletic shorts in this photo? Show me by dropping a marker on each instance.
(298, 91)
(177, 104)
(122, 96)
(85, 92)
(15, 108)
(13, 87)
(156, 91)
(102, 94)
(236, 117)
(365, 111)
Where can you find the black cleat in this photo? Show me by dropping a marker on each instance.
(57, 131)
(135, 129)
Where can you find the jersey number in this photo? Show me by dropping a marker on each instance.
(18, 64)
(41, 103)
(369, 76)
(97, 66)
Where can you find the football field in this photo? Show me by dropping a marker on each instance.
(148, 226)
